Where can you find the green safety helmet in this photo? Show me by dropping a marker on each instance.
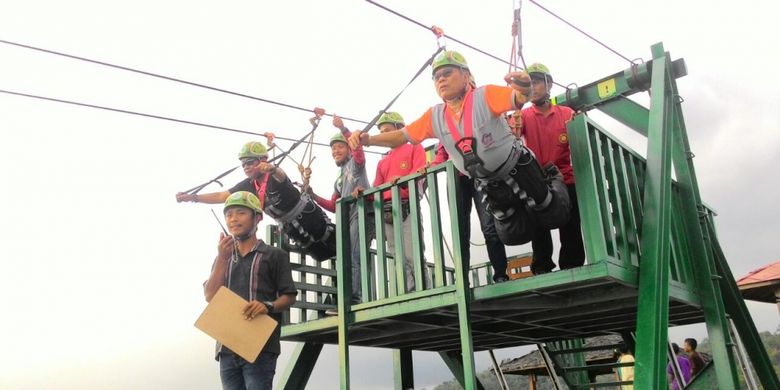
(390, 117)
(449, 57)
(253, 149)
(338, 137)
(539, 69)
(244, 199)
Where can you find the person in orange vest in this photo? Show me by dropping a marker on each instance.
(471, 126)
(543, 129)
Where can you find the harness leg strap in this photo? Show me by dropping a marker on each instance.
(530, 178)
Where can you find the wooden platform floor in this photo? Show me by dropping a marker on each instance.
(588, 301)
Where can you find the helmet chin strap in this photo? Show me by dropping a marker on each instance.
(544, 100)
(244, 237)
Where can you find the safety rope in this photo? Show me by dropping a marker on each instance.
(517, 53)
(318, 112)
(387, 107)
(315, 121)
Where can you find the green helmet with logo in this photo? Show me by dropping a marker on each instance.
(338, 137)
(244, 199)
(391, 117)
(253, 149)
(449, 57)
(539, 70)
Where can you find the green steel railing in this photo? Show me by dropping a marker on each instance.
(382, 274)
(610, 180)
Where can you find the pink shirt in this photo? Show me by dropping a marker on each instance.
(545, 135)
(401, 161)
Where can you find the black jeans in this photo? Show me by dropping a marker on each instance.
(572, 252)
(496, 251)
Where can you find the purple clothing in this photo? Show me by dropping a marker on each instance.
(685, 370)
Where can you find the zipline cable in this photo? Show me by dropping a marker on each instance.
(154, 116)
(169, 78)
(447, 36)
(581, 31)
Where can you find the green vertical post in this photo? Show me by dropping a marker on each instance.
(587, 190)
(436, 230)
(404, 372)
(398, 251)
(653, 306)
(344, 288)
(418, 260)
(365, 242)
(301, 365)
(381, 247)
(463, 292)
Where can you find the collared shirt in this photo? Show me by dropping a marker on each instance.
(263, 274)
(401, 161)
(546, 136)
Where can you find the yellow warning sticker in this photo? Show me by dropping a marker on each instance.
(606, 88)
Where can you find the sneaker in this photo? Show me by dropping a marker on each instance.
(332, 312)
(501, 279)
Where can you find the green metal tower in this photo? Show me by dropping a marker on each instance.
(653, 262)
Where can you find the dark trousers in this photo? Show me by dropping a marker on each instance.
(496, 251)
(572, 252)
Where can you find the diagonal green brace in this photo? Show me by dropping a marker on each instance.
(653, 305)
(454, 362)
(301, 365)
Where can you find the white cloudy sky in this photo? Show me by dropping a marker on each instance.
(102, 269)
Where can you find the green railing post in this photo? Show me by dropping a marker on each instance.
(344, 272)
(381, 247)
(302, 362)
(418, 258)
(653, 305)
(463, 292)
(436, 229)
(587, 191)
(398, 251)
(366, 270)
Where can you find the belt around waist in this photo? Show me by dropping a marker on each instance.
(503, 170)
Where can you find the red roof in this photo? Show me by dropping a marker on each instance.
(767, 273)
(763, 284)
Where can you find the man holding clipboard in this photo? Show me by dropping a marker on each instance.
(261, 275)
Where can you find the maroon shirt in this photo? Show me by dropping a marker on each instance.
(545, 135)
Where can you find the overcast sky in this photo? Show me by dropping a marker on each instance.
(102, 269)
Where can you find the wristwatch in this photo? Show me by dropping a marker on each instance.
(269, 305)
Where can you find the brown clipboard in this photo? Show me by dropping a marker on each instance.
(222, 319)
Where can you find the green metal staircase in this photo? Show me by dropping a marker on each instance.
(653, 261)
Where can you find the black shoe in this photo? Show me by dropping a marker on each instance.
(500, 279)
(541, 271)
